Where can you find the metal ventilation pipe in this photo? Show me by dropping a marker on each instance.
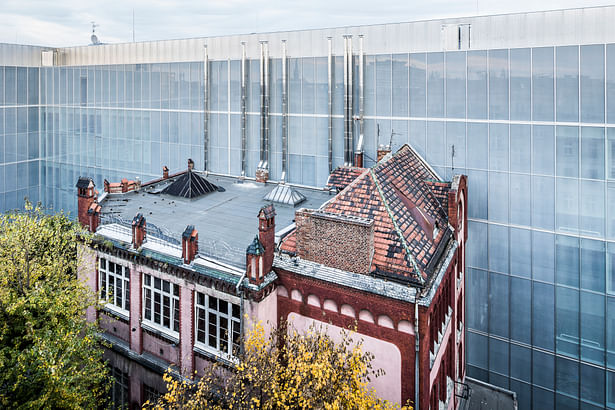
(350, 110)
(244, 118)
(205, 106)
(284, 113)
(262, 108)
(330, 99)
(361, 96)
(346, 100)
(266, 110)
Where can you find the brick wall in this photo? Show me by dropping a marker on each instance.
(338, 241)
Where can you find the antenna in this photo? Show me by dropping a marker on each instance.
(453, 159)
(378, 132)
(93, 37)
(133, 25)
(391, 140)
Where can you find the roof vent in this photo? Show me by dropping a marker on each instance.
(191, 185)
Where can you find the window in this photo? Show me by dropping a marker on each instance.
(217, 324)
(120, 391)
(114, 285)
(161, 304)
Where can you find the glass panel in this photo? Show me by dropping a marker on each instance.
(498, 84)
(543, 149)
(542, 317)
(455, 84)
(592, 384)
(592, 208)
(610, 389)
(592, 83)
(498, 248)
(477, 154)
(567, 83)
(520, 137)
(567, 145)
(567, 204)
(498, 356)
(477, 245)
(400, 85)
(477, 84)
(567, 377)
(543, 202)
(417, 85)
(543, 370)
(592, 327)
(477, 293)
(592, 152)
(383, 85)
(498, 147)
(477, 350)
(477, 202)
(520, 252)
(520, 362)
(498, 308)
(542, 80)
(567, 321)
(567, 260)
(435, 85)
(592, 265)
(520, 310)
(610, 332)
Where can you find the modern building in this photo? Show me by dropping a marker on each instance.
(384, 256)
(527, 100)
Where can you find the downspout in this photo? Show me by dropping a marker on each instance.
(244, 118)
(262, 107)
(361, 97)
(350, 108)
(345, 100)
(284, 113)
(330, 100)
(239, 289)
(205, 106)
(266, 110)
(416, 353)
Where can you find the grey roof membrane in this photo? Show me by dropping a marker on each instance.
(226, 221)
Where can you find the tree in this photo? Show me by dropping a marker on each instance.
(286, 370)
(49, 355)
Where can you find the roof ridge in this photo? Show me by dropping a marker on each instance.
(397, 230)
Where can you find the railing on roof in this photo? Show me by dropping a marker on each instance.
(215, 249)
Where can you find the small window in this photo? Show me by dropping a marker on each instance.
(114, 285)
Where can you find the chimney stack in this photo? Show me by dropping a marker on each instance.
(358, 159)
(165, 172)
(138, 230)
(190, 164)
(86, 198)
(124, 185)
(266, 235)
(190, 244)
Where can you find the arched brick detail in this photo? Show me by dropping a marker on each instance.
(329, 304)
(366, 316)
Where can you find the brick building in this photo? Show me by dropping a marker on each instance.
(380, 247)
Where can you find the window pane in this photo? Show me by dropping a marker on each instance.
(543, 370)
(567, 146)
(477, 293)
(592, 208)
(520, 310)
(435, 85)
(542, 316)
(543, 202)
(520, 137)
(498, 147)
(542, 79)
(477, 156)
(592, 265)
(477, 84)
(417, 85)
(520, 189)
(610, 333)
(498, 248)
(520, 362)
(592, 327)
(567, 260)
(592, 384)
(543, 149)
(400, 85)
(567, 321)
(498, 356)
(567, 213)
(592, 152)
(567, 80)
(567, 377)
(498, 84)
(498, 308)
(592, 83)
(520, 252)
(498, 196)
(455, 84)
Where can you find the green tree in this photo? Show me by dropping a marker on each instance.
(49, 355)
(286, 370)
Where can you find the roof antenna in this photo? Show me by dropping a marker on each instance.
(94, 38)
(453, 159)
(393, 133)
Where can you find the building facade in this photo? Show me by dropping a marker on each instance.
(384, 256)
(527, 100)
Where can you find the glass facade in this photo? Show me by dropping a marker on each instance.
(533, 128)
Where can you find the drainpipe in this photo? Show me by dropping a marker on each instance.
(239, 289)
(284, 112)
(262, 108)
(244, 118)
(416, 354)
(346, 100)
(350, 91)
(361, 94)
(266, 110)
(205, 106)
(330, 100)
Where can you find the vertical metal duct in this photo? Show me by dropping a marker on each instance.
(345, 100)
(330, 99)
(361, 96)
(348, 126)
(244, 118)
(266, 110)
(205, 106)
(285, 113)
(350, 110)
(262, 107)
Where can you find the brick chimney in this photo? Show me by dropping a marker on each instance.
(165, 172)
(138, 230)
(94, 216)
(255, 262)
(190, 244)
(382, 151)
(86, 196)
(358, 159)
(262, 175)
(190, 164)
(124, 184)
(266, 235)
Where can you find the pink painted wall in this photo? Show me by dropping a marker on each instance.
(86, 272)
(115, 327)
(386, 356)
(136, 337)
(265, 312)
(186, 310)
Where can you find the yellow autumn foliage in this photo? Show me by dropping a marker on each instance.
(285, 370)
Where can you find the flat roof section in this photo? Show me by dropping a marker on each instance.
(226, 221)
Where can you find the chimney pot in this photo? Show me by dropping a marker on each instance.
(190, 164)
(190, 244)
(165, 172)
(138, 230)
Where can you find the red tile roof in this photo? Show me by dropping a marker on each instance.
(405, 198)
(341, 177)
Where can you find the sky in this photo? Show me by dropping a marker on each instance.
(63, 23)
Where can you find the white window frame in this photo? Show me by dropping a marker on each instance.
(174, 310)
(119, 304)
(202, 306)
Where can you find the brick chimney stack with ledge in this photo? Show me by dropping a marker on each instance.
(87, 199)
(338, 241)
(383, 151)
(190, 244)
(255, 262)
(138, 230)
(165, 172)
(266, 235)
